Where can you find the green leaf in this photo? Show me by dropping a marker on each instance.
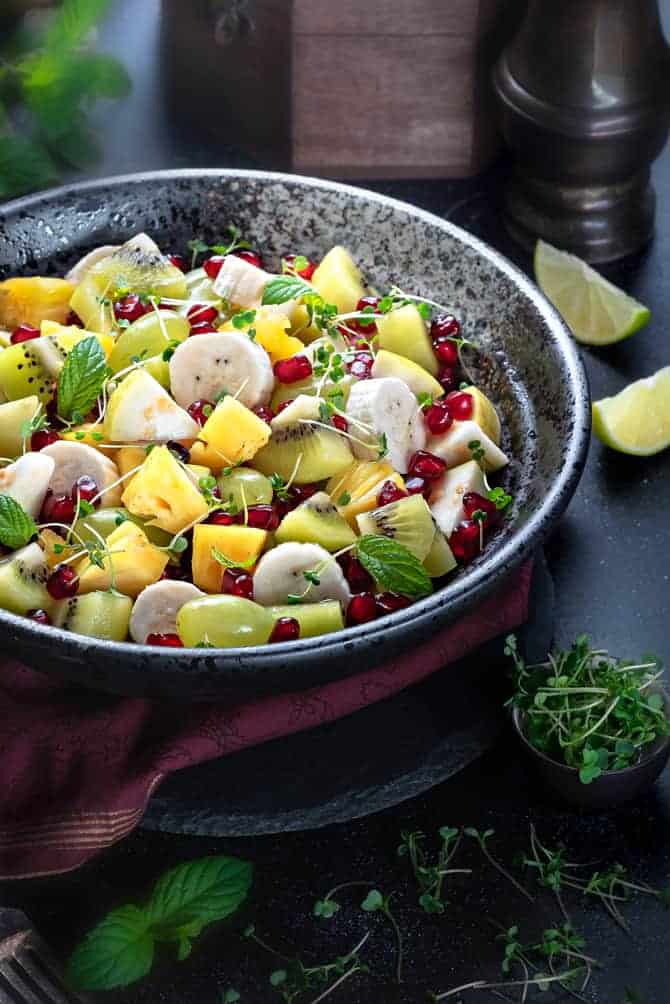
(230, 996)
(373, 902)
(119, 951)
(393, 566)
(278, 977)
(16, 526)
(25, 166)
(73, 22)
(81, 378)
(205, 890)
(282, 288)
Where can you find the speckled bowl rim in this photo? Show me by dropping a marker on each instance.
(457, 596)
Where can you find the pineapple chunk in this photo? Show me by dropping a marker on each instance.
(135, 563)
(301, 327)
(128, 458)
(231, 435)
(90, 433)
(49, 540)
(484, 414)
(30, 300)
(163, 490)
(339, 281)
(241, 544)
(67, 336)
(404, 332)
(272, 332)
(361, 483)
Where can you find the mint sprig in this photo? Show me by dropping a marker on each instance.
(283, 288)
(120, 950)
(393, 566)
(81, 379)
(16, 526)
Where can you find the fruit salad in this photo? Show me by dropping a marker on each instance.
(224, 456)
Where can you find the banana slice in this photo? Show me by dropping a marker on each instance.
(205, 365)
(457, 445)
(156, 608)
(279, 574)
(241, 283)
(446, 498)
(73, 460)
(304, 406)
(27, 480)
(385, 407)
(78, 271)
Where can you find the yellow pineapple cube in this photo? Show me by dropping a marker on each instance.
(49, 540)
(32, 299)
(128, 458)
(301, 327)
(231, 435)
(130, 564)
(163, 491)
(356, 490)
(338, 280)
(242, 545)
(90, 433)
(272, 332)
(67, 336)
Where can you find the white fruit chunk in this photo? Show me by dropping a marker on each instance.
(156, 608)
(206, 365)
(446, 499)
(279, 574)
(140, 410)
(241, 283)
(76, 460)
(385, 407)
(27, 481)
(457, 445)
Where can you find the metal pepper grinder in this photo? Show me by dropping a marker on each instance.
(584, 93)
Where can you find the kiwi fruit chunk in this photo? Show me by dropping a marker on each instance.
(23, 577)
(316, 521)
(314, 618)
(245, 486)
(98, 615)
(439, 561)
(23, 373)
(407, 521)
(12, 416)
(314, 453)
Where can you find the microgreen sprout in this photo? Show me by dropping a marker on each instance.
(429, 876)
(482, 839)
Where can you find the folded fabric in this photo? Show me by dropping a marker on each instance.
(78, 766)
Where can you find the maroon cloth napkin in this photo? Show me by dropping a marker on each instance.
(77, 768)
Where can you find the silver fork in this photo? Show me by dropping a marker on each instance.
(29, 973)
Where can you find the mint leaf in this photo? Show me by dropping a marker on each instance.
(196, 894)
(16, 526)
(72, 23)
(119, 951)
(282, 288)
(81, 378)
(393, 566)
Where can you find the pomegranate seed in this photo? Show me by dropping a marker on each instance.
(179, 451)
(360, 581)
(252, 257)
(438, 418)
(286, 628)
(293, 369)
(237, 582)
(445, 326)
(200, 410)
(300, 493)
(221, 519)
(264, 413)
(175, 573)
(85, 488)
(178, 261)
(74, 320)
(164, 640)
(340, 423)
(472, 501)
(361, 366)
(426, 465)
(42, 438)
(362, 326)
(305, 273)
(63, 582)
(418, 486)
(446, 351)
(465, 541)
(262, 517)
(283, 406)
(390, 492)
(24, 333)
(130, 308)
(461, 405)
(58, 509)
(213, 265)
(40, 616)
(362, 608)
(202, 313)
(447, 378)
(388, 603)
(202, 328)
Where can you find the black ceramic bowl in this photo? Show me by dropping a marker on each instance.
(528, 364)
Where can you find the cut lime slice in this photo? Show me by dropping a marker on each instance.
(637, 420)
(597, 312)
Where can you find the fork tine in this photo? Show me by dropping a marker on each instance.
(28, 973)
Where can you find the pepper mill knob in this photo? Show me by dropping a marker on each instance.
(584, 94)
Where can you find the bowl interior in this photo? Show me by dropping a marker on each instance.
(526, 361)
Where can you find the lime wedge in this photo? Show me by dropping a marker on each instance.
(597, 312)
(637, 420)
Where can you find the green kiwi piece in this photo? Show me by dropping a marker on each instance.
(407, 521)
(245, 486)
(316, 521)
(23, 374)
(304, 452)
(23, 577)
(97, 614)
(314, 618)
(439, 561)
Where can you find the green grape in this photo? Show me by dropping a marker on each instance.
(149, 336)
(224, 622)
(245, 485)
(102, 522)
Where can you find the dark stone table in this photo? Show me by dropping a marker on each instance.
(610, 562)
